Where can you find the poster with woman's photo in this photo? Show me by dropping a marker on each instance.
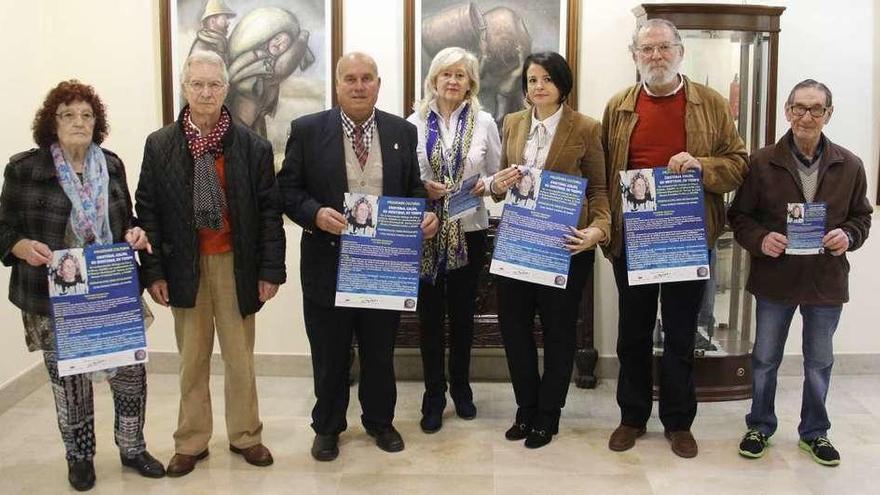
(805, 228)
(537, 215)
(96, 310)
(381, 252)
(664, 226)
(525, 192)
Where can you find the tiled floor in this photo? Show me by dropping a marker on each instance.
(465, 457)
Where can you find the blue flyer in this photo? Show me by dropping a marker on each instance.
(381, 252)
(664, 226)
(461, 201)
(805, 228)
(538, 212)
(96, 308)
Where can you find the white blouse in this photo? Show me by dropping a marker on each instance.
(540, 138)
(484, 155)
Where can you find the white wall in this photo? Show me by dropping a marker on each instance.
(50, 40)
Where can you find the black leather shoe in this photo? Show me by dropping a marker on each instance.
(538, 438)
(466, 409)
(145, 464)
(81, 475)
(517, 432)
(325, 448)
(388, 440)
(432, 422)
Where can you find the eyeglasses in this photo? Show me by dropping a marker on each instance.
(69, 117)
(800, 110)
(664, 49)
(212, 87)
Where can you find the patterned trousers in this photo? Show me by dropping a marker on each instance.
(75, 408)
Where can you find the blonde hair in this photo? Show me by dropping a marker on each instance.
(445, 58)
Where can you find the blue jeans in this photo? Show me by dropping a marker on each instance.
(773, 321)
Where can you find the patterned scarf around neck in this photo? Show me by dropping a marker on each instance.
(89, 215)
(209, 199)
(448, 249)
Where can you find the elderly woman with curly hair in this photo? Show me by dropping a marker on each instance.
(71, 193)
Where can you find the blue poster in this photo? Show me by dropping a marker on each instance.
(381, 252)
(805, 228)
(461, 201)
(663, 225)
(538, 212)
(96, 308)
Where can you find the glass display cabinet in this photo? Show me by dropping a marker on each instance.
(734, 50)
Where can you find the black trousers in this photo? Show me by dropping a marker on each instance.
(330, 331)
(454, 293)
(637, 307)
(540, 398)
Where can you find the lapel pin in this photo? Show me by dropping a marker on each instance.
(395, 146)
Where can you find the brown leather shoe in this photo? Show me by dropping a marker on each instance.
(683, 443)
(624, 437)
(182, 464)
(258, 454)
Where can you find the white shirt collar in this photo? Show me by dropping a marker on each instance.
(189, 119)
(676, 90)
(550, 123)
(453, 117)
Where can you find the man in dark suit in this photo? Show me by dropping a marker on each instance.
(354, 148)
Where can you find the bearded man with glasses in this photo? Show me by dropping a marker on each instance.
(802, 167)
(665, 120)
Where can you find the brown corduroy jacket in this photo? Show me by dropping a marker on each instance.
(576, 150)
(712, 138)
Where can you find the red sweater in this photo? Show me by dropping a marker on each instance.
(660, 131)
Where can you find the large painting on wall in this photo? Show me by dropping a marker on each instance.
(279, 55)
(501, 33)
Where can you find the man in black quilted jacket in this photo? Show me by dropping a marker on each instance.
(208, 200)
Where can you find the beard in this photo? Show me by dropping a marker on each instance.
(660, 75)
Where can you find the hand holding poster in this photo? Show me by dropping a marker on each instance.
(538, 214)
(381, 252)
(664, 230)
(805, 228)
(96, 308)
(461, 202)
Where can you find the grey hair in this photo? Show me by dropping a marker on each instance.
(653, 23)
(445, 58)
(809, 83)
(203, 57)
(363, 57)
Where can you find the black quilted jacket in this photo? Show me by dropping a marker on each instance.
(165, 210)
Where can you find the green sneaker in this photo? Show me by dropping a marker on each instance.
(753, 444)
(821, 450)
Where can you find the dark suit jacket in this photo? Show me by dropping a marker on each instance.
(313, 176)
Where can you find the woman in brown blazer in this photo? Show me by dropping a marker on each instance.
(552, 136)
